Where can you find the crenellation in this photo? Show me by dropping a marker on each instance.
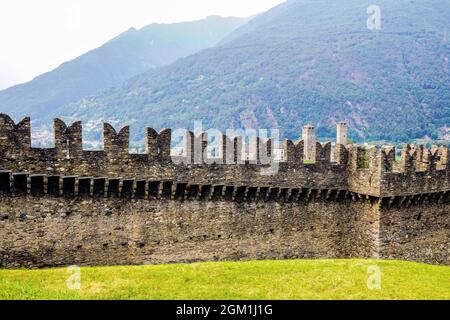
(374, 155)
(223, 144)
(259, 147)
(116, 145)
(200, 148)
(387, 159)
(151, 138)
(368, 170)
(229, 150)
(420, 166)
(265, 151)
(190, 147)
(408, 160)
(15, 139)
(238, 154)
(293, 152)
(431, 159)
(444, 158)
(323, 152)
(68, 140)
(152, 194)
(341, 154)
(22, 132)
(164, 144)
(355, 155)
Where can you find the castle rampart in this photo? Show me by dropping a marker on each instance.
(66, 205)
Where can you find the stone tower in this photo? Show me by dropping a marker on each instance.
(342, 133)
(309, 138)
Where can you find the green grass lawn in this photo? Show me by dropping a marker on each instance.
(293, 279)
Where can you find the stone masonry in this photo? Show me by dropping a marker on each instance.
(65, 205)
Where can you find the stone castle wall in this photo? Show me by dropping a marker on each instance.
(416, 232)
(64, 205)
(57, 232)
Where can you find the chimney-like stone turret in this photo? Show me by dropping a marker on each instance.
(309, 138)
(342, 133)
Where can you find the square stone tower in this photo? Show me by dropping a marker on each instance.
(342, 133)
(309, 138)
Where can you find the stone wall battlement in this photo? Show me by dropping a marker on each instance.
(370, 171)
(376, 171)
(192, 200)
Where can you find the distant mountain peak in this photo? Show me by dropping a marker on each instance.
(128, 54)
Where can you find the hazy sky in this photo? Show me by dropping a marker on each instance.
(37, 36)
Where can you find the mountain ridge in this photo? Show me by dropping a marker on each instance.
(303, 62)
(128, 54)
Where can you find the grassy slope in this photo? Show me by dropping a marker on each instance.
(295, 279)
